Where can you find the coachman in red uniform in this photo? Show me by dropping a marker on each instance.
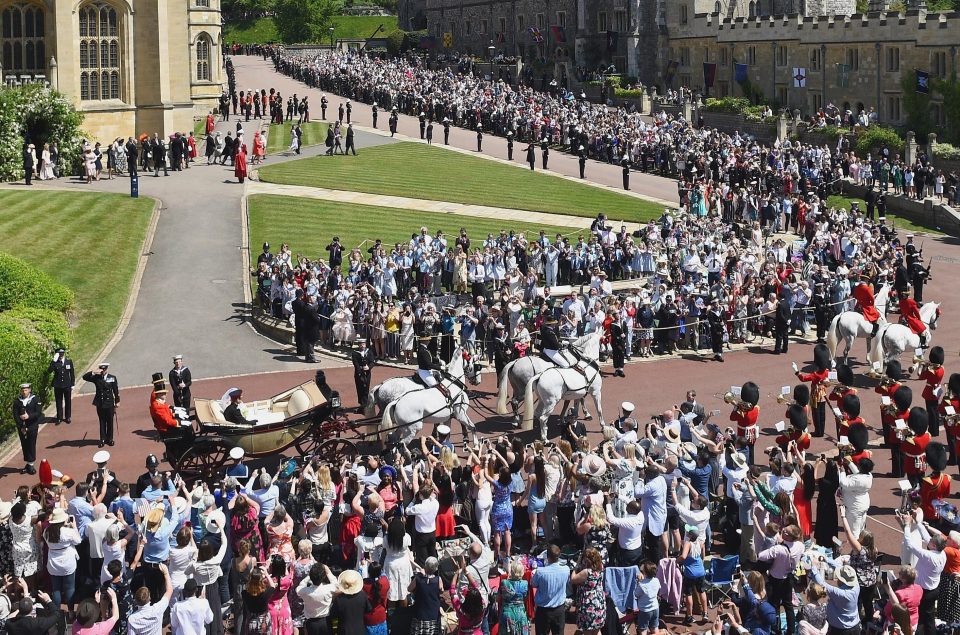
(914, 445)
(951, 422)
(746, 414)
(910, 315)
(867, 304)
(932, 374)
(818, 387)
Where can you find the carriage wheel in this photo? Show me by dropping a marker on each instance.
(335, 451)
(204, 458)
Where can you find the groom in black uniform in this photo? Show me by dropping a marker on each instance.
(106, 399)
(363, 361)
(63, 380)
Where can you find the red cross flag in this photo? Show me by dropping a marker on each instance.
(799, 78)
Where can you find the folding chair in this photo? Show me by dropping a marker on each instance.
(719, 580)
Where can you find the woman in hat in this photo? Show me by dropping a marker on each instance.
(349, 604)
(61, 537)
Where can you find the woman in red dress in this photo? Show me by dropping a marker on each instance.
(240, 163)
(803, 492)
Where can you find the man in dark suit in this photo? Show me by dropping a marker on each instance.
(781, 324)
(298, 305)
(28, 163)
(106, 399)
(26, 623)
(27, 414)
(233, 413)
(311, 329)
(176, 152)
(64, 377)
(132, 152)
(159, 151)
(350, 143)
(336, 253)
(180, 382)
(363, 361)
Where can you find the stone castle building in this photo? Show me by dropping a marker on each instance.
(130, 66)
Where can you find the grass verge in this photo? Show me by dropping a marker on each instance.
(278, 139)
(278, 219)
(89, 242)
(420, 171)
(263, 30)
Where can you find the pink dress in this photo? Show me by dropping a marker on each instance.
(279, 537)
(281, 623)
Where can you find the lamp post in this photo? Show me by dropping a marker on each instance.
(331, 29)
(491, 50)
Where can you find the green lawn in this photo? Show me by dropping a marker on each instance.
(278, 219)
(278, 140)
(263, 30)
(90, 242)
(420, 171)
(899, 222)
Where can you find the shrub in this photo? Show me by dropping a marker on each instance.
(874, 138)
(23, 285)
(736, 105)
(25, 355)
(42, 116)
(628, 93)
(946, 152)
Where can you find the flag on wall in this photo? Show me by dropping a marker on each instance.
(537, 36)
(559, 34)
(612, 40)
(448, 40)
(799, 78)
(923, 82)
(669, 72)
(740, 72)
(500, 37)
(709, 74)
(427, 42)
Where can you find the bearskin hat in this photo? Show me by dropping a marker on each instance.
(937, 456)
(821, 357)
(917, 420)
(893, 370)
(851, 405)
(859, 436)
(750, 392)
(936, 355)
(954, 384)
(801, 394)
(844, 374)
(903, 398)
(798, 417)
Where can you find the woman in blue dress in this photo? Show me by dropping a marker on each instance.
(501, 517)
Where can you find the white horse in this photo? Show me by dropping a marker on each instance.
(893, 339)
(559, 384)
(408, 413)
(396, 387)
(849, 325)
(519, 372)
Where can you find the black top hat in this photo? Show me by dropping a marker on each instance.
(903, 398)
(157, 377)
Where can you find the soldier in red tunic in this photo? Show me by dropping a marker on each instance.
(937, 485)
(867, 304)
(850, 415)
(951, 422)
(796, 430)
(901, 405)
(910, 315)
(914, 445)
(932, 374)
(745, 414)
(841, 390)
(887, 388)
(818, 387)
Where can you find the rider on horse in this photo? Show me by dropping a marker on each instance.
(867, 304)
(550, 343)
(910, 315)
(427, 367)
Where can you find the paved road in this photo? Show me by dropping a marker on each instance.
(253, 71)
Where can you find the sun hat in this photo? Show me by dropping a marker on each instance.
(58, 516)
(594, 465)
(671, 434)
(215, 522)
(350, 582)
(846, 575)
(738, 459)
(154, 518)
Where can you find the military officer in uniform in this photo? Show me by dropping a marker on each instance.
(446, 131)
(393, 121)
(583, 161)
(374, 111)
(423, 124)
(618, 345)
(531, 156)
(625, 163)
(100, 476)
(544, 152)
(180, 381)
(550, 343)
(427, 364)
(106, 399)
(27, 414)
(479, 139)
(64, 377)
(323, 107)
(502, 350)
(363, 361)
(509, 146)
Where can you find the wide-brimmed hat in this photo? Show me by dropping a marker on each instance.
(738, 459)
(350, 582)
(154, 518)
(594, 465)
(846, 575)
(215, 522)
(671, 434)
(59, 515)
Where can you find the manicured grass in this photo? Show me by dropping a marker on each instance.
(200, 128)
(89, 242)
(263, 30)
(899, 222)
(278, 219)
(420, 171)
(278, 140)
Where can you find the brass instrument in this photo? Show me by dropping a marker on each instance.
(740, 404)
(785, 400)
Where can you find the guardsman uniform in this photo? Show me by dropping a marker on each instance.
(818, 389)
(363, 361)
(106, 400)
(914, 445)
(446, 131)
(544, 152)
(180, 381)
(64, 377)
(933, 376)
(509, 146)
(746, 414)
(27, 414)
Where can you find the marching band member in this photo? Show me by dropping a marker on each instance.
(901, 412)
(746, 412)
(951, 422)
(937, 485)
(850, 415)
(889, 385)
(843, 388)
(859, 437)
(914, 445)
(818, 387)
(932, 373)
(797, 430)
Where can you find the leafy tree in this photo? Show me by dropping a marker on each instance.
(917, 106)
(245, 10)
(303, 21)
(34, 114)
(950, 89)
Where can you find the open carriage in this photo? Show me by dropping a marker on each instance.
(301, 418)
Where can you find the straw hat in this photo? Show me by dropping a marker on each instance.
(847, 576)
(671, 434)
(594, 465)
(58, 516)
(350, 582)
(739, 459)
(154, 518)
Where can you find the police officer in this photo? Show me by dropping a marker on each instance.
(544, 151)
(446, 131)
(374, 111)
(583, 161)
(423, 124)
(550, 343)
(393, 121)
(145, 479)
(509, 146)
(531, 156)
(323, 107)
(101, 475)
(363, 361)
(106, 399)
(180, 382)
(64, 378)
(27, 415)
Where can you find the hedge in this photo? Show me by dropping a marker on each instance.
(27, 337)
(23, 285)
(946, 152)
(735, 105)
(875, 138)
(628, 93)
